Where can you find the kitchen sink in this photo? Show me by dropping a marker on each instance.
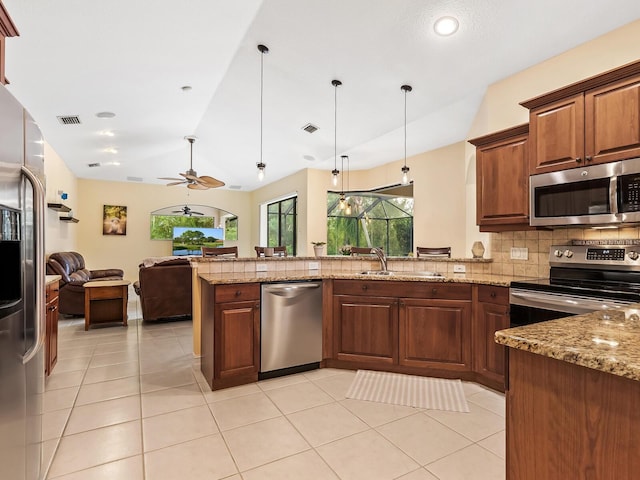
(403, 274)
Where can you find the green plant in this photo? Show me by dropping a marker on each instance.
(318, 244)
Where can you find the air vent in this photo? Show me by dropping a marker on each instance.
(134, 179)
(235, 187)
(310, 128)
(93, 165)
(69, 119)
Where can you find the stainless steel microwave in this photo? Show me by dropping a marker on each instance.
(602, 194)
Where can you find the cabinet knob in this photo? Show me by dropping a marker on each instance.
(238, 293)
(588, 158)
(434, 290)
(578, 160)
(402, 304)
(364, 287)
(257, 305)
(492, 294)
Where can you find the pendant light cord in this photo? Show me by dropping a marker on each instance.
(261, 95)
(335, 125)
(405, 127)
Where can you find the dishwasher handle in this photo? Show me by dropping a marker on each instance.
(290, 290)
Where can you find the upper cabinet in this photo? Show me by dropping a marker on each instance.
(502, 180)
(7, 29)
(596, 120)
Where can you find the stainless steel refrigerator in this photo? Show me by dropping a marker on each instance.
(22, 290)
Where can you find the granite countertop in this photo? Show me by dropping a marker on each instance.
(608, 341)
(249, 277)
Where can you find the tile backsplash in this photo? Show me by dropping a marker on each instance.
(538, 243)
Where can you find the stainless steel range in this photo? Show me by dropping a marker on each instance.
(583, 278)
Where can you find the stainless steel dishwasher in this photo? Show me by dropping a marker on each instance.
(291, 327)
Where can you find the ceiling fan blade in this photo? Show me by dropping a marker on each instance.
(196, 213)
(197, 186)
(210, 181)
(169, 178)
(176, 183)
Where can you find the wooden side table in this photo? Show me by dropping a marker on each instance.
(105, 301)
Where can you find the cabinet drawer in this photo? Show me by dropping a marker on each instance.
(441, 290)
(52, 291)
(237, 292)
(369, 287)
(492, 294)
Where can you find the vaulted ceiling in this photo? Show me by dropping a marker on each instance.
(132, 58)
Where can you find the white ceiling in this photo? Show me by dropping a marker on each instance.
(131, 57)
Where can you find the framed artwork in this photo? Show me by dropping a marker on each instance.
(114, 220)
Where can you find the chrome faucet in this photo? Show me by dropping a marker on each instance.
(381, 256)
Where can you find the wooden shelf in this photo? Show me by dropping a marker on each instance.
(58, 207)
(69, 219)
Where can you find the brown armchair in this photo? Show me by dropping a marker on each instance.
(70, 266)
(164, 288)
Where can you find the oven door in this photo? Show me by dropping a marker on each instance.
(578, 196)
(528, 306)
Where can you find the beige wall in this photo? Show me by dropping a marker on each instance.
(59, 236)
(127, 251)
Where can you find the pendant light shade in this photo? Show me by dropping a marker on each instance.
(405, 169)
(261, 165)
(335, 173)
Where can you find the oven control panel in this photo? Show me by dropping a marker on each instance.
(592, 256)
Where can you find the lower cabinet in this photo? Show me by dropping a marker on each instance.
(492, 314)
(402, 326)
(366, 329)
(230, 339)
(51, 333)
(435, 334)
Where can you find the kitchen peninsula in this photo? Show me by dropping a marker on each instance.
(573, 392)
(407, 322)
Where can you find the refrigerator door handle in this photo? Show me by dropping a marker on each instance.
(38, 207)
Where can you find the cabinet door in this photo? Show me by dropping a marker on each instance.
(557, 135)
(366, 329)
(435, 334)
(490, 358)
(612, 121)
(236, 339)
(502, 183)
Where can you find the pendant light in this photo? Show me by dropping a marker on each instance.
(335, 173)
(405, 169)
(261, 165)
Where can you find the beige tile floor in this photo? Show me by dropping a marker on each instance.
(131, 403)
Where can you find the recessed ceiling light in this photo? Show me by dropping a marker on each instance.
(105, 114)
(110, 150)
(446, 26)
(107, 133)
(309, 158)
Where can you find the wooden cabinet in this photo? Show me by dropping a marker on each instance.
(412, 327)
(7, 29)
(491, 315)
(230, 339)
(366, 329)
(596, 120)
(435, 334)
(502, 180)
(51, 333)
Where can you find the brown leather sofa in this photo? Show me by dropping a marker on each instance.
(164, 288)
(70, 266)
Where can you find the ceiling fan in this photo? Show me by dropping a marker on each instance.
(186, 210)
(191, 177)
